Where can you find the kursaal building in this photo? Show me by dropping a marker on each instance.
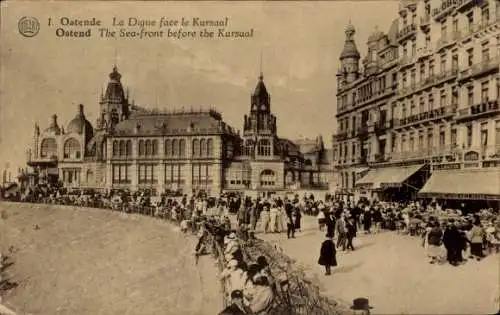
(422, 118)
(183, 151)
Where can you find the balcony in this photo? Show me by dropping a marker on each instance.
(480, 69)
(482, 109)
(446, 7)
(463, 5)
(340, 136)
(427, 116)
(46, 160)
(406, 32)
(477, 27)
(423, 52)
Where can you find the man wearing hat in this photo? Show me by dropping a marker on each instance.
(361, 306)
(236, 307)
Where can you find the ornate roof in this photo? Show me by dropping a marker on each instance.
(393, 31)
(202, 122)
(350, 49)
(114, 91)
(260, 96)
(375, 35)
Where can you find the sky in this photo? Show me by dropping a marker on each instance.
(300, 44)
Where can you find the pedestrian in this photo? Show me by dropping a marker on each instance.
(298, 217)
(237, 307)
(321, 219)
(327, 256)
(452, 242)
(290, 226)
(434, 240)
(350, 232)
(340, 227)
(265, 218)
(274, 216)
(477, 236)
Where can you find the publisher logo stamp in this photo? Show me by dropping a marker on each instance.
(28, 26)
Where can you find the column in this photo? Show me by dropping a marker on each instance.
(161, 176)
(108, 181)
(188, 186)
(476, 135)
(491, 138)
(388, 144)
(447, 137)
(134, 176)
(216, 178)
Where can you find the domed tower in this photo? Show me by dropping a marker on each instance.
(349, 58)
(81, 125)
(114, 103)
(259, 128)
(53, 127)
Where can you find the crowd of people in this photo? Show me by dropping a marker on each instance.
(446, 233)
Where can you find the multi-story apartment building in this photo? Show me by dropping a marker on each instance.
(425, 103)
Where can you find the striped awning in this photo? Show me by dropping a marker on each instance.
(463, 184)
(387, 177)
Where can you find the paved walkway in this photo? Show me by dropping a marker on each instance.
(392, 271)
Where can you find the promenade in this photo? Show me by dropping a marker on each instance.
(392, 271)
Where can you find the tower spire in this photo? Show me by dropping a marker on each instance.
(261, 75)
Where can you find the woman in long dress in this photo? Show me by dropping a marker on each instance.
(327, 256)
(434, 239)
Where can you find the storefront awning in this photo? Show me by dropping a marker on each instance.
(463, 184)
(387, 177)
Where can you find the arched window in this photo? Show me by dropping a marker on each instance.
(149, 150)
(115, 148)
(122, 147)
(267, 178)
(154, 147)
(168, 149)
(182, 147)
(249, 147)
(264, 147)
(48, 148)
(142, 149)
(196, 147)
(72, 149)
(210, 147)
(203, 147)
(128, 149)
(175, 148)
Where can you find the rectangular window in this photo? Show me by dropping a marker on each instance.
(413, 77)
(430, 139)
(442, 99)
(455, 25)
(431, 68)
(454, 62)
(485, 91)
(485, 52)
(469, 135)
(470, 95)
(431, 102)
(443, 29)
(497, 136)
(470, 57)
(442, 138)
(484, 134)
(485, 14)
(412, 144)
(420, 141)
(470, 21)
(421, 106)
(454, 141)
(422, 71)
(120, 174)
(443, 63)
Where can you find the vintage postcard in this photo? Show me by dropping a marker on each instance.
(250, 157)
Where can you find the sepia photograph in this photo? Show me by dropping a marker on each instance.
(250, 157)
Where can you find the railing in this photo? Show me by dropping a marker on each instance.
(406, 31)
(362, 131)
(45, 159)
(446, 7)
(483, 108)
(427, 116)
(463, 4)
(447, 153)
(340, 136)
(430, 80)
(477, 27)
(480, 68)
